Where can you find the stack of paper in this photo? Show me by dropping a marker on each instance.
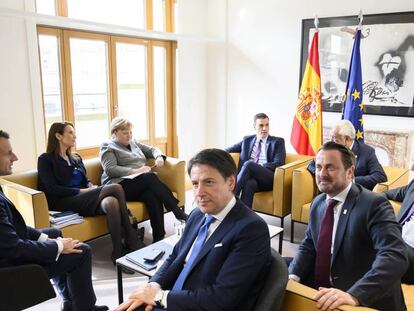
(64, 219)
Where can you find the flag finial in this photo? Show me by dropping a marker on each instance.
(360, 18)
(316, 22)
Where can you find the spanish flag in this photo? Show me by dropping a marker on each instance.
(306, 135)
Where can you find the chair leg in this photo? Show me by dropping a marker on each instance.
(292, 231)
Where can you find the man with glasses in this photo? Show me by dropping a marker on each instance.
(368, 171)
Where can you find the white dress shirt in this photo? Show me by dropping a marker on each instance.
(340, 197)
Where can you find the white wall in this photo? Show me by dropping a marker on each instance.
(236, 58)
(264, 58)
(20, 85)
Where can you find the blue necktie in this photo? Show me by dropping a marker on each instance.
(198, 244)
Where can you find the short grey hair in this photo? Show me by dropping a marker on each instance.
(121, 124)
(346, 128)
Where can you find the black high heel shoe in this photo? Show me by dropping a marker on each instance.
(180, 214)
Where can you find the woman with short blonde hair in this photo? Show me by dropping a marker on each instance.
(121, 156)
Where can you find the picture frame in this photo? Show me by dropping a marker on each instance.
(387, 58)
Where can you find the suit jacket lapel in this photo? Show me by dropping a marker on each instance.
(355, 151)
(191, 238)
(343, 219)
(251, 145)
(407, 206)
(217, 235)
(268, 149)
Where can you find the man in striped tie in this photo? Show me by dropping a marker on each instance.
(222, 258)
(260, 155)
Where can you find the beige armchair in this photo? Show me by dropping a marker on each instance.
(20, 188)
(299, 297)
(304, 190)
(278, 202)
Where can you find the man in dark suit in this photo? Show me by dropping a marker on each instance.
(353, 252)
(406, 218)
(67, 261)
(220, 262)
(368, 171)
(260, 155)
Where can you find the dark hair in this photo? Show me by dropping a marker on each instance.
(259, 116)
(52, 141)
(347, 156)
(4, 134)
(219, 159)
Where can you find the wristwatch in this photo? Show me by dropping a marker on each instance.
(158, 298)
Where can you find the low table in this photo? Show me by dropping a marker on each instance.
(173, 239)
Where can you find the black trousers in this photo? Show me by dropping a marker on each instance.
(148, 188)
(408, 277)
(253, 178)
(72, 275)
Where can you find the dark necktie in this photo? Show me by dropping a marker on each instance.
(323, 247)
(258, 150)
(408, 216)
(198, 245)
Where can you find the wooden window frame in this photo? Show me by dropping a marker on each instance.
(65, 69)
(62, 10)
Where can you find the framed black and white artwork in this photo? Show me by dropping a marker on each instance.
(387, 58)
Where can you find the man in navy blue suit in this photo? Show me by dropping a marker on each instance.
(221, 261)
(368, 171)
(353, 252)
(65, 260)
(260, 155)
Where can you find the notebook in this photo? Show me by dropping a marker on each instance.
(151, 251)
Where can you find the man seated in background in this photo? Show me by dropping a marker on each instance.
(406, 218)
(221, 260)
(65, 260)
(368, 171)
(353, 252)
(260, 155)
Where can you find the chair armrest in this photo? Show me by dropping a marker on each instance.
(24, 286)
(32, 204)
(282, 186)
(397, 177)
(173, 175)
(300, 297)
(303, 190)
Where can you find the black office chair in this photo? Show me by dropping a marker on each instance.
(24, 286)
(271, 296)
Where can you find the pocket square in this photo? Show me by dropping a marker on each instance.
(218, 245)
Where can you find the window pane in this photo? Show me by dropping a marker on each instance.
(131, 79)
(121, 12)
(90, 91)
(50, 67)
(46, 7)
(158, 7)
(160, 93)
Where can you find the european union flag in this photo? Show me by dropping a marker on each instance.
(353, 106)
